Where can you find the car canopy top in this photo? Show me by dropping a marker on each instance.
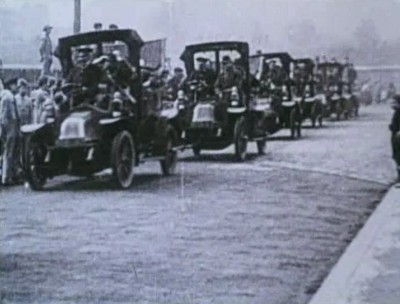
(130, 37)
(285, 58)
(188, 54)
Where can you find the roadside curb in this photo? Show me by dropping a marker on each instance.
(346, 281)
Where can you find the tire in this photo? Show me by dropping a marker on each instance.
(123, 155)
(34, 157)
(168, 164)
(292, 123)
(196, 151)
(314, 115)
(240, 140)
(261, 146)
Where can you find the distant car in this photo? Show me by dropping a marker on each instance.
(229, 117)
(90, 136)
(311, 104)
(277, 90)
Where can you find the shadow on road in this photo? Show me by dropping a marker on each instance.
(220, 158)
(101, 183)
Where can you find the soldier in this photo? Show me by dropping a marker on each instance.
(394, 127)
(39, 96)
(9, 125)
(176, 83)
(46, 51)
(24, 103)
(229, 77)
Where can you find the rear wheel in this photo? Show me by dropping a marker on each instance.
(240, 139)
(196, 151)
(168, 164)
(34, 161)
(261, 146)
(123, 157)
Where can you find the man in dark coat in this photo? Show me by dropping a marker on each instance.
(394, 128)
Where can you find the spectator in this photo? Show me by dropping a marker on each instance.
(46, 51)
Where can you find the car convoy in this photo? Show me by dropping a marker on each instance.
(229, 97)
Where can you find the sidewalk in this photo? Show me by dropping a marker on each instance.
(369, 270)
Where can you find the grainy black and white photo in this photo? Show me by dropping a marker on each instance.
(200, 152)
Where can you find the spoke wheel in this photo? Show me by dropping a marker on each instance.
(240, 139)
(123, 159)
(168, 164)
(35, 155)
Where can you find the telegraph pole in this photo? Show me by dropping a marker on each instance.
(77, 16)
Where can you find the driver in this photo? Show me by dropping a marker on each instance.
(204, 74)
(229, 77)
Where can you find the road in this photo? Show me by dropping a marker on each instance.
(265, 231)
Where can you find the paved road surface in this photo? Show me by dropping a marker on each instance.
(266, 231)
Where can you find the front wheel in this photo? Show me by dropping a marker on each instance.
(123, 155)
(240, 139)
(34, 163)
(168, 164)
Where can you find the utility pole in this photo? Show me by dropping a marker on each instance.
(77, 16)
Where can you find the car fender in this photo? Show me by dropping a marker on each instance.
(32, 128)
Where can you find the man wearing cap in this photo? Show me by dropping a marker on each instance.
(176, 83)
(205, 75)
(39, 96)
(9, 124)
(229, 77)
(394, 128)
(24, 103)
(46, 50)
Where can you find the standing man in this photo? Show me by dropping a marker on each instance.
(9, 124)
(394, 128)
(46, 51)
(39, 96)
(24, 103)
(177, 81)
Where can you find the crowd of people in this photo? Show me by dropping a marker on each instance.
(21, 105)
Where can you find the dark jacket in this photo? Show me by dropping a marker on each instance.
(394, 126)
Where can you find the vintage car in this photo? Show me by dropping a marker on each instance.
(276, 88)
(351, 102)
(226, 116)
(108, 128)
(332, 82)
(312, 106)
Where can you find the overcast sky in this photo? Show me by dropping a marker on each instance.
(261, 22)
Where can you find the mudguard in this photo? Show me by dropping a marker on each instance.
(32, 128)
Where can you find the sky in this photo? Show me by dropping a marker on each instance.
(263, 23)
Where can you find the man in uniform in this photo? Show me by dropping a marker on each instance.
(229, 77)
(176, 83)
(24, 103)
(204, 75)
(9, 126)
(394, 128)
(46, 51)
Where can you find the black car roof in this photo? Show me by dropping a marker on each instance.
(128, 36)
(283, 55)
(221, 45)
(308, 61)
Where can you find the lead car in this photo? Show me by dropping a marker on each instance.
(90, 136)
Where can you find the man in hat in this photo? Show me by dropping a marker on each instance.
(177, 81)
(24, 103)
(113, 26)
(83, 57)
(205, 75)
(394, 128)
(9, 124)
(98, 26)
(39, 96)
(46, 50)
(229, 77)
